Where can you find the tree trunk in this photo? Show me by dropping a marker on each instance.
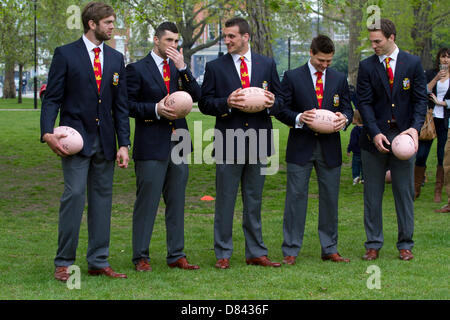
(354, 53)
(9, 87)
(421, 33)
(19, 100)
(259, 22)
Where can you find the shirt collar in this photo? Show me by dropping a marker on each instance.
(313, 70)
(158, 59)
(393, 55)
(247, 56)
(91, 46)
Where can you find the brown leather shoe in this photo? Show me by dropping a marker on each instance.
(371, 254)
(61, 274)
(222, 263)
(263, 261)
(143, 265)
(182, 263)
(406, 255)
(290, 260)
(335, 257)
(444, 209)
(108, 271)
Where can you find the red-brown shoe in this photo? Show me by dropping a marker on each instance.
(263, 261)
(143, 265)
(182, 263)
(108, 271)
(371, 254)
(289, 260)
(62, 274)
(444, 209)
(406, 255)
(222, 263)
(335, 257)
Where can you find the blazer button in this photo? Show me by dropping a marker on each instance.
(393, 105)
(170, 123)
(316, 134)
(389, 121)
(246, 124)
(99, 100)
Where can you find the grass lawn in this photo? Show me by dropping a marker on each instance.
(32, 184)
(27, 103)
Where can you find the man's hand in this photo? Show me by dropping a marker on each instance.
(415, 135)
(308, 116)
(176, 57)
(122, 157)
(164, 110)
(340, 122)
(378, 141)
(52, 140)
(236, 99)
(270, 99)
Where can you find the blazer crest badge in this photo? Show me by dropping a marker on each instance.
(115, 78)
(406, 84)
(336, 100)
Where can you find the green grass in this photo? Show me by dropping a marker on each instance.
(32, 184)
(27, 103)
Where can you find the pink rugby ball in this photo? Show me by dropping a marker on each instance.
(73, 143)
(255, 99)
(403, 146)
(324, 121)
(181, 101)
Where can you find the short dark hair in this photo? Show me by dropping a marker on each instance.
(441, 52)
(243, 25)
(323, 44)
(165, 26)
(387, 27)
(95, 11)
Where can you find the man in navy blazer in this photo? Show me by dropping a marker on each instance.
(302, 95)
(243, 141)
(389, 107)
(99, 114)
(154, 139)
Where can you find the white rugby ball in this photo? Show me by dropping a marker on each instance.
(181, 101)
(255, 99)
(324, 121)
(73, 143)
(403, 146)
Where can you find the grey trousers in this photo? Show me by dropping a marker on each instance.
(297, 202)
(228, 178)
(402, 172)
(96, 174)
(154, 177)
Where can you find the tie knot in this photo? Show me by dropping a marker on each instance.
(319, 74)
(97, 50)
(242, 58)
(165, 61)
(388, 60)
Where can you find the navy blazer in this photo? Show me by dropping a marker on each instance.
(220, 80)
(72, 90)
(430, 74)
(377, 104)
(299, 95)
(146, 88)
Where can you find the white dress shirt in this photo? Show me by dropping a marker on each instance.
(90, 48)
(312, 70)
(393, 62)
(248, 61)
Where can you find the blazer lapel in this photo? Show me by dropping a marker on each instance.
(310, 86)
(256, 80)
(154, 71)
(229, 65)
(399, 73)
(87, 64)
(106, 66)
